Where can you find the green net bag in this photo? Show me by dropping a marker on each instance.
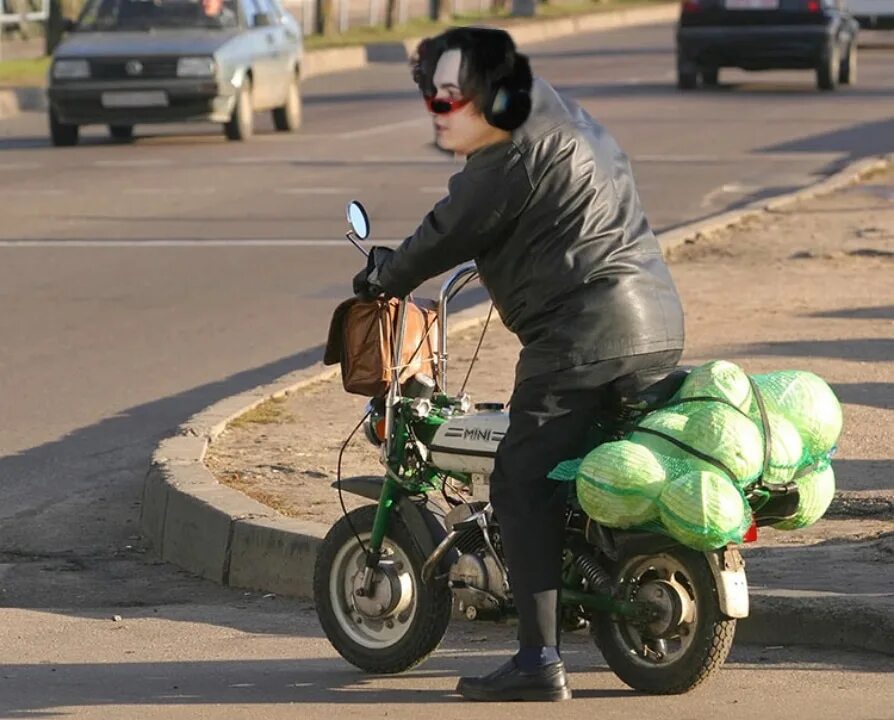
(720, 379)
(817, 489)
(618, 482)
(806, 401)
(786, 450)
(669, 423)
(704, 510)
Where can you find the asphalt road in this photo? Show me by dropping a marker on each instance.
(141, 283)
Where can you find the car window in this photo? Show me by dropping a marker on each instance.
(121, 15)
(255, 7)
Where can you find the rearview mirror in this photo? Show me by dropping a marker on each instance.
(359, 219)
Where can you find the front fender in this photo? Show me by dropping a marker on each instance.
(423, 518)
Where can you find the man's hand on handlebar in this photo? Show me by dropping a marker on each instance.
(365, 284)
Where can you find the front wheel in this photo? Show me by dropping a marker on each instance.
(62, 134)
(828, 69)
(684, 640)
(242, 122)
(847, 74)
(402, 621)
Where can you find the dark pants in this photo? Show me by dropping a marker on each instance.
(549, 417)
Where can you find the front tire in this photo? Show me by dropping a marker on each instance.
(242, 122)
(121, 133)
(402, 622)
(62, 134)
(689, 638)
(710, 77)
(847, 74)
(288, 117)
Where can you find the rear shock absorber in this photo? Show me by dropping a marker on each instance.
(594, 573)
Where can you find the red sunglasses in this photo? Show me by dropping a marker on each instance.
(444, 106)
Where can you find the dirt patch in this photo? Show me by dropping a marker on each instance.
(809, 287)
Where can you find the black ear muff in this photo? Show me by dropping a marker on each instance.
(509, 102)
(508, 108)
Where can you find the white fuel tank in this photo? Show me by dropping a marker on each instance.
(468, 443)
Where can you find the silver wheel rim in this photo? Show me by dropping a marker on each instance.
(294, 107)
(374, 633)
(246, 110)
(654, 578)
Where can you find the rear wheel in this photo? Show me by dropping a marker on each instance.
(121, 132)
(403, 619)
(686, 638)
(288, 117)
(828, 69)
(242, 121)
(687, 79)
(847, 74)
(62, 134)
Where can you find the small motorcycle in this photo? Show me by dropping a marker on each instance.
(389, 576)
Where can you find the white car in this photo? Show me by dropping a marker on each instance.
(873, 13)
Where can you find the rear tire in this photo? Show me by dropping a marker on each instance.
(365, 640)
(122, 133)
(242, 123)
(847, 75)
(62, 134)
(288, 117)
(687, 649)
(828, 69)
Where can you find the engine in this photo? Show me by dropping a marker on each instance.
(478, 578)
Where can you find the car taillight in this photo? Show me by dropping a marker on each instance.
(813, 6)
(751, 534)
(691, 6)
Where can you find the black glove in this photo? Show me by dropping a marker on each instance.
(365, 283)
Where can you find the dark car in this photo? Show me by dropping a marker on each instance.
(129, 62)
(818, 35)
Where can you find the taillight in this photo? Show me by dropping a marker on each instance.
(814, 6)
(693, 6)
(751, 533)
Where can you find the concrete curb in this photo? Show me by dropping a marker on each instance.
(331, 60)
(217, 532)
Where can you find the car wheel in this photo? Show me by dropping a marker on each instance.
(847, 75)
(121, 132)
(242, 122)
(828, 69)
(288, 117)
(62, 134)
(710, 77)
(687, 79)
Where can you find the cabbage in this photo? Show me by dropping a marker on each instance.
(726, 435)
(704, 510)
(720, 379)
(786, 450)
(618, 482)
(670, 423)
(817, 490)
(806, 401)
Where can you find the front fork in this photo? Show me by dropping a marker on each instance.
(380, 526)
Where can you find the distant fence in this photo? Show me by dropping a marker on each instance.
(370, 13)
(20, 12)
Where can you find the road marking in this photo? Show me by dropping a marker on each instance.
(192, 243)
(170, 191)
(20, 166)
(30, 192)
(380, 129)
(728, 188)
(157, 162)
(317, 191)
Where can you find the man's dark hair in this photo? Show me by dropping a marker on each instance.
(490, 64)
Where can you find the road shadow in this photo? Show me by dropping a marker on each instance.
(864, 474)
(871, 394)
(872, 312)
(857, 140)
(857, 349)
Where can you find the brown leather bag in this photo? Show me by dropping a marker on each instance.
(362, 335)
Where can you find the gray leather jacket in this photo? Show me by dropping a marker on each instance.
(562, 244)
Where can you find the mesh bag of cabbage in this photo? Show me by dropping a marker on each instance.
(618, 482)
(704, 510)
(816, 490)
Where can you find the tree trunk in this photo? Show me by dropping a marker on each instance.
(390, 10)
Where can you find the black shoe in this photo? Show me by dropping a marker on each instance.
(548, 683)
